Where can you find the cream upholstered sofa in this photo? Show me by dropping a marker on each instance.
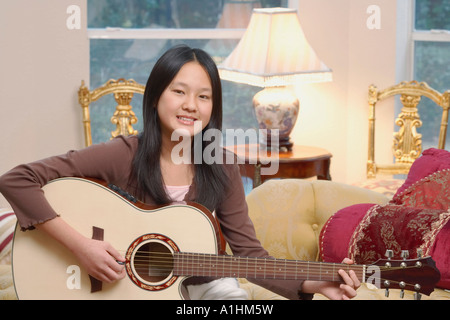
(288, 216)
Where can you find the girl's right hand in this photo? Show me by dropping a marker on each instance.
(100, 260)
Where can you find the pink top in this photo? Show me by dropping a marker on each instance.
(177, 193)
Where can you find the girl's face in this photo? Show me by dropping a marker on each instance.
(186, 103)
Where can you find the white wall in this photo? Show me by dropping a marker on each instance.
(334, 115)
(42, 64)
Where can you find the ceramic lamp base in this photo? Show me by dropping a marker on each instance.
(276, 108)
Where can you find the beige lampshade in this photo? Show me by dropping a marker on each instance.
(274, 52)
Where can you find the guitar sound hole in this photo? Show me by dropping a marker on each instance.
(153, 262)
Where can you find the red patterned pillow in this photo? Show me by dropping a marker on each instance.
(400, 228)
(336, 233)
(415, 218)
(431, 161)
(440, 253)
(431, 192)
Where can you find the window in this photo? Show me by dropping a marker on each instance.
(431, 60)
(127, 37)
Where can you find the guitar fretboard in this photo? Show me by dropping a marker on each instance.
(211, 265)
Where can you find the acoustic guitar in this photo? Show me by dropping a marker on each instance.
(165, 246)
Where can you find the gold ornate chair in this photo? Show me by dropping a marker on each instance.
(123, 117)
(407, 142)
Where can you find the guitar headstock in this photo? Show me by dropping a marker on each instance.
(419, 275)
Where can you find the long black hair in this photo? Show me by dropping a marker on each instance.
(210, 180)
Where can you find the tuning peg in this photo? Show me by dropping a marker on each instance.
(402, 286)
(419, 253)
(389, 254)
(417, 295)
(405, 254)
(387, 283)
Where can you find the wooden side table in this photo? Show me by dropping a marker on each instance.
(302, 162)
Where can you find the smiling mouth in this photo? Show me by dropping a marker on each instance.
(186, 120)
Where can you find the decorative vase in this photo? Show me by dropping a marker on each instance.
(276, 110)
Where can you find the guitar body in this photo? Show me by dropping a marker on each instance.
(43, 269)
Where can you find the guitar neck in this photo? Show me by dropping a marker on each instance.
(211, 265)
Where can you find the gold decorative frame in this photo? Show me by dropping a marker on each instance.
(123, 117)
(407, 143)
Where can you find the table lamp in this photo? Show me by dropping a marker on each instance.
(274, 53)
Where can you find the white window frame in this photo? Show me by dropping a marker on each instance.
(418, 35)
(121, 33)
(170, 33)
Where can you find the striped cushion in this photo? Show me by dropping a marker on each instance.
(7, 226)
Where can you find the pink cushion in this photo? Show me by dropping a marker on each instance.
(431, 192)
(7, 223)
(432, 160)
(440, 253)
(403, 228)
(336, 233)
(416, 217)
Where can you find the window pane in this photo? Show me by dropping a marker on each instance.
(432, 14)
(432, 61)
(431, 65)
(174, 13)
(134, 59)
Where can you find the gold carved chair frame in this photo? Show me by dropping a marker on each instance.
(123, 117)
(407, 142)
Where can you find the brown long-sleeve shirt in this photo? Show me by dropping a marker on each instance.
(111, 162)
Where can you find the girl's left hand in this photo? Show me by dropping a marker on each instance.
(342, 291)
(335, 290)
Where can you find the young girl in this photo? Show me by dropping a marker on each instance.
(183, 93)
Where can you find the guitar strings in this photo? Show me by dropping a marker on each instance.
(164, 274)
(192, 257)
(145, 257)
(260, 275)
(163, 264)
(195, 258)
(169, 272)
